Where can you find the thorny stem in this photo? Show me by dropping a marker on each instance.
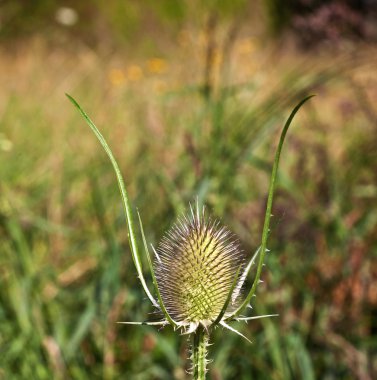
(199, 353)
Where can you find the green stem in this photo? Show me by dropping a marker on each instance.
(199, 353)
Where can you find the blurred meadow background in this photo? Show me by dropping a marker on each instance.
(191, 96)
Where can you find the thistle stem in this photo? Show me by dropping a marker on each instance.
(199, 353)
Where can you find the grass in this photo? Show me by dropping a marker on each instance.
(65, 268)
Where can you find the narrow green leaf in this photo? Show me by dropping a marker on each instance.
(266, 225)
(160, 301)
(126, 202)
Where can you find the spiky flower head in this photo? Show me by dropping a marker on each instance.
(196, 264)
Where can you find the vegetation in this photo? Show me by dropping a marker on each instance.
(195, 118)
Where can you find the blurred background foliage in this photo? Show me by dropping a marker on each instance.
(191, 97)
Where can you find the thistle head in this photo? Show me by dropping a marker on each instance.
(196, 264)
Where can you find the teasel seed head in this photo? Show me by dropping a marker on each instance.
(196, 264)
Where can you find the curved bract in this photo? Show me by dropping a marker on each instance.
(125, 200)
(266, 224)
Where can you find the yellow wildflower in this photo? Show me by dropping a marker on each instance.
(134, 73)
(157, 65)
(117, 77)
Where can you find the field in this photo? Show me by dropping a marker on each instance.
(196, 116)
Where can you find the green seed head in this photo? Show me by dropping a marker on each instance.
(196, 263)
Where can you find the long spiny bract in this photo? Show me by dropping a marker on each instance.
(126, 202)
(268, 214)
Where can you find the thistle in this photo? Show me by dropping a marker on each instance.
(199, 269)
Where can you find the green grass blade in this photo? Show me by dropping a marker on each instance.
(82, 329)
(266, 226)
(160, 301)
(126, 202)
